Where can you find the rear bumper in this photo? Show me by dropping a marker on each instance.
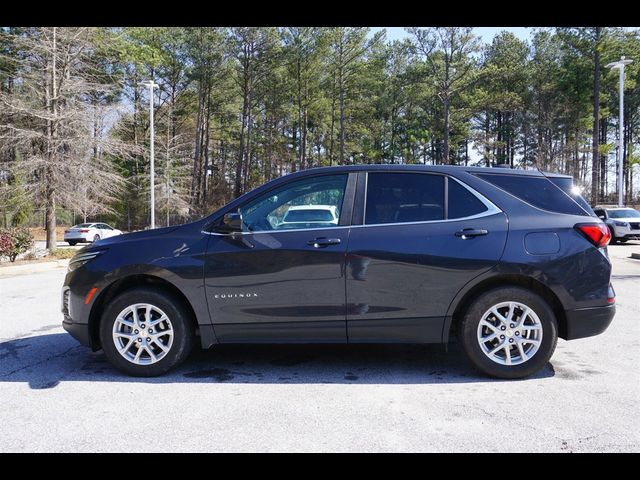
(586, 322)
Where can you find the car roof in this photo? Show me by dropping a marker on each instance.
(433, 168)
(312, 207)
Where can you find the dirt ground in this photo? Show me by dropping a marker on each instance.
(40, 233)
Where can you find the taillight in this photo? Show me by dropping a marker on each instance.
(596, 233)
(83, 231)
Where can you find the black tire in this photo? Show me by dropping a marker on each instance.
(182, 326)
(622, 240)
(613, 240)
(468, 332)
(72, 243)
(96, 238)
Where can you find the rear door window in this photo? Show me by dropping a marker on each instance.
(404, 197)
(537, 191)
(463, 203)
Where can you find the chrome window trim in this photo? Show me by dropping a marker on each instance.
(492, 209)
(337, 227)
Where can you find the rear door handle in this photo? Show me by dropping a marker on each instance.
(323, 242)
(471, 232)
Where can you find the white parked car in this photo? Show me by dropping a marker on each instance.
(89, 232)
(624, 223)
(306, 216)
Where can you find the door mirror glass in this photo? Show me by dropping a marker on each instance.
(231, 223)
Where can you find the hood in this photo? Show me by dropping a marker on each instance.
(626, 219)
(141, 235)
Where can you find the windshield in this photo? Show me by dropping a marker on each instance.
(308, 216)
(624, 213)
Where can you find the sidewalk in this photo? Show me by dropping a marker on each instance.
(36, 267)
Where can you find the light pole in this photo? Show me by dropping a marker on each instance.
(152, 86)
(620, 64)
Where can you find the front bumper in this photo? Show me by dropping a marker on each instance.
(79, 331)
(587, 322)
(73, 309)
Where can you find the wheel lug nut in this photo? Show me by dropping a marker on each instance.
(517, 334)
(511, 340)
(501, 337)
(503, 328)
(139, 339)
(512, 325)
(142, 326)
(150, 330)
(148, 339)
(136, 331)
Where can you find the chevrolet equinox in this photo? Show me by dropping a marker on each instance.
(505, 261)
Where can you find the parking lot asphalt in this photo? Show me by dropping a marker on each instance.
(58, 396)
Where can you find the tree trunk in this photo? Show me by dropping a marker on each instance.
(596, 119)
(445, 153)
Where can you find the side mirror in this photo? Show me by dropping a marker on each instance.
(231, 223)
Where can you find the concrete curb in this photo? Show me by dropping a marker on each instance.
(37, 267)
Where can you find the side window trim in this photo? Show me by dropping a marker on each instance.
(361, 202)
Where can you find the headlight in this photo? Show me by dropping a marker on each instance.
(621, 224)
(83, 258)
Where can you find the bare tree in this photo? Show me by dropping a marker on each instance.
(59, 132)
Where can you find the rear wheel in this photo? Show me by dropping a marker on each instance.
(145, 332)
(96, 238)
(613, 240)
(72, 243)
(509, 332)
(622, 240)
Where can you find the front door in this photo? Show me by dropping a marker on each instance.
(282, 278)
(414, 252)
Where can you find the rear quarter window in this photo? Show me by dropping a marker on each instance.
(463, 203)
(537, 191)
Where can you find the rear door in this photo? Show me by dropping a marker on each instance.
(421, 238)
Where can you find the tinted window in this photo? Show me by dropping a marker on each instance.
(268, 211)
(82, 225)
(537, 191)
(404, 197)
(600, 213)
(566, 184)
(463, 203)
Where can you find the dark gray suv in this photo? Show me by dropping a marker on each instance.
(505, 260)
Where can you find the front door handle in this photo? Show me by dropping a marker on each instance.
(322, 242)
(466, 233)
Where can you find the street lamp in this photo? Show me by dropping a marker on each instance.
(620, 64)
(152, 86)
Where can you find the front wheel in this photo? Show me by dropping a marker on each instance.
(613, 240)
(509, 332)
(145, 332)
(72, 243)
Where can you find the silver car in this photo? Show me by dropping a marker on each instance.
(623, 222)
(89, 232)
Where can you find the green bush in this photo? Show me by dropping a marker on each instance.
(14, 241)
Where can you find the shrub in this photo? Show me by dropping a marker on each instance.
(14, 241)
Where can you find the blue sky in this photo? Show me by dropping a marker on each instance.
(486, 33)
